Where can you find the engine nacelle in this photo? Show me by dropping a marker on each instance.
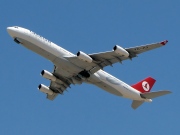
(120, 51)
(48, 75)
(45, 89)
(84, 57)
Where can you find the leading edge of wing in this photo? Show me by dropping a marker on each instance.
(103, 59)
(147, 47)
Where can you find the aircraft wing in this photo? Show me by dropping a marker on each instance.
(145, 48)
(103, 59)
(59, 87)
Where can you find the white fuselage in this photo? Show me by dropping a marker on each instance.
(57, 55)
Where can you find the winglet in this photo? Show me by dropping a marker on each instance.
(164, 42)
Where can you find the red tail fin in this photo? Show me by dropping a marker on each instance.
(144, 85)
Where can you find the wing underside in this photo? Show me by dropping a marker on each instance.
(58, 86)
(103, 59)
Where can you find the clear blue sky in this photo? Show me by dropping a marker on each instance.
(90, 26)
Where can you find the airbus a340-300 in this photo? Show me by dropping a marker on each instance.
(77, 69)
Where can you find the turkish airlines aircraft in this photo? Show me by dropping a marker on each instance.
(76, 69)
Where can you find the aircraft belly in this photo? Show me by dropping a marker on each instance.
(108, 88)
(67, 67)
(118, 90)
(130, 94)
(115, 86)
(37, 50)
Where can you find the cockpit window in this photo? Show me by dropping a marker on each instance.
(16, 27)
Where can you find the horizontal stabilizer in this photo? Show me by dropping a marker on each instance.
(155, 94)
(136, 104)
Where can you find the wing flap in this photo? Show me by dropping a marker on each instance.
(108, 88)
(58, 87)
(52, 97)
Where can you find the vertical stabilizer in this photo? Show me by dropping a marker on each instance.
(144, 85)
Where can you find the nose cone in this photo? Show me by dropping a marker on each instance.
(12, 31)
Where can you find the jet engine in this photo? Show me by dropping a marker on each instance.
(48, 75)
(45, 89)
(84, 57)
(120, 51)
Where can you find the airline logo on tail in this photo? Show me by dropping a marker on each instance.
(144, 85)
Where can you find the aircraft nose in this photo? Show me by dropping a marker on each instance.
(11, 31)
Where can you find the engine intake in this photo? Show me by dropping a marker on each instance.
(84, 57)
(45, 89)
(120, 51)
(46, 74)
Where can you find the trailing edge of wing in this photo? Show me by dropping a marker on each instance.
(52, 97)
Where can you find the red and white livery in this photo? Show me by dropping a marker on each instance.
(76, 69)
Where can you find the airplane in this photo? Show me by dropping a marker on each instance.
(87, 68)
